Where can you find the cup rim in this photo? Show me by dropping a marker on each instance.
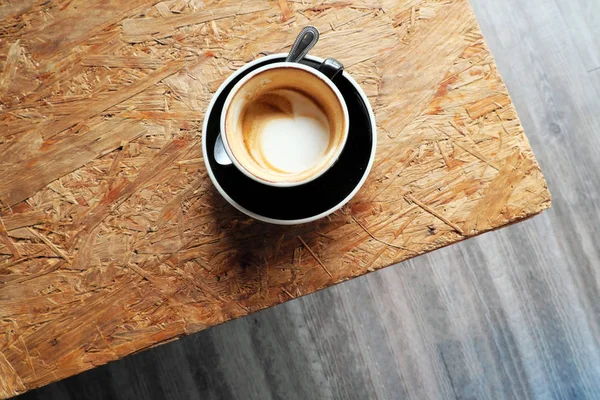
(279, 65)
(276, 221)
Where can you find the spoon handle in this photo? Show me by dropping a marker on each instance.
(305, 41)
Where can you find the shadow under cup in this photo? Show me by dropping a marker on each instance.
(284, 124)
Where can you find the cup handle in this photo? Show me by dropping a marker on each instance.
(331, 68)
(221, 156)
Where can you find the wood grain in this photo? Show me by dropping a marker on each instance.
(136, 247)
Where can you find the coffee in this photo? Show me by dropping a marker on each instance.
(285, 131)
(285, 125)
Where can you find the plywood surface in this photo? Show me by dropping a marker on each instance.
(113, 238)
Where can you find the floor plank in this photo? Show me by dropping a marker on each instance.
(583, 21)
(511, 314)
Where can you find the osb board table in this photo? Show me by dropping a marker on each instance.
(113, 239)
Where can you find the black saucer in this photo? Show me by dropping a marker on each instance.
(321, 196)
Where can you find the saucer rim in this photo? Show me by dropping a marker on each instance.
(275, 221)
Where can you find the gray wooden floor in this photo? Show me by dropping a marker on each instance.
(510, 315)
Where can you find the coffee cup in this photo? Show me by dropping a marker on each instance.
(306, 202)
(284, 124)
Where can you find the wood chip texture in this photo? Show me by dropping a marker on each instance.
(113, 239)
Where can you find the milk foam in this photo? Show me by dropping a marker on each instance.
(291, 132)
(294, 145)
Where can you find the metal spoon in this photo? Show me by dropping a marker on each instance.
(306, 40)
(221, 156)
